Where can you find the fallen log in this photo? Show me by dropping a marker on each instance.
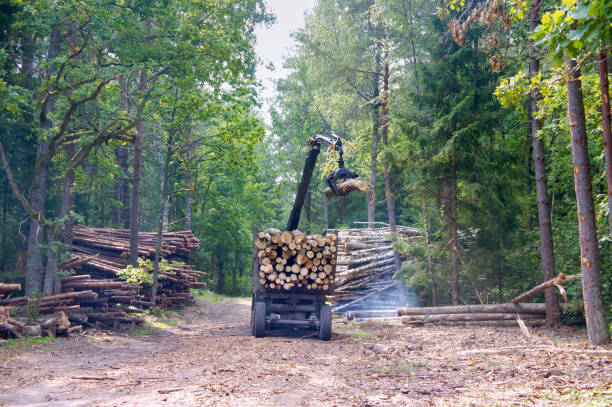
(387, 313)
(76, 263)
(10, 329)
(358, 246)
(7, 288)
(18, 301)
(347, 187)
(538, 308)
(96, 284)
(423, 319)
(557, 281)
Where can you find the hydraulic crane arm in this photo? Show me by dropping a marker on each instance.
(342, 172)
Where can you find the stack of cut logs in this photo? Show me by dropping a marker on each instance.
(95, 294)
(472, 313)
(292, 260)
(364, 255)
(52, 320)
(101, 253)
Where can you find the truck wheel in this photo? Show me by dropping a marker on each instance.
(252, 315)
(325, 320)
(259, 319)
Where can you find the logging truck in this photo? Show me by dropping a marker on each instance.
(292, 272)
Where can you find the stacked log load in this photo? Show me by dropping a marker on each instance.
(95, 293)
(366, 261)
(294, 261)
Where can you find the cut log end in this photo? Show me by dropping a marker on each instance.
(347, 187)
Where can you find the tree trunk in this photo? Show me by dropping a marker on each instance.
(188, 186)
(3, 244)
(546, 240)
(375, 137)
(137, 176)
(605, 119)
(528, 173)
(597, 326)
(163, 210)
(38, 191)
(385, 131)
(121, 154)
(52, 282)
(452, 223)
(430, 268)
(387, 177)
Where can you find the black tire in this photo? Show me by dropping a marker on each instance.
(252, 315)
(325, 330)
(259, 319)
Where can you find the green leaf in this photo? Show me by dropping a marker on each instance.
(581, 12)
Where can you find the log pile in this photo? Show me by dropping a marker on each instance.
(294, 261)
(102, 253)
(471, 313)
(95, 293)
(57, 324)
(365, 261)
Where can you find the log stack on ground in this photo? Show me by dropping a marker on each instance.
(95, 294)
(472, 313)
(293, 261)
(103, 253)
(366, 262)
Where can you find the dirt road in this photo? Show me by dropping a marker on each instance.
(206, 357)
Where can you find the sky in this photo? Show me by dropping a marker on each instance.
(275, 43)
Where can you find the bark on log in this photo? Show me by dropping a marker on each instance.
(347, 187)
(422, 319)
(538, 308)
(7, 288)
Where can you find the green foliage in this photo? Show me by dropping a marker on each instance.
(574, 27)
(32, 342)
(142, 274)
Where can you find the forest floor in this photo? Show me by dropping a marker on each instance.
(204, 356)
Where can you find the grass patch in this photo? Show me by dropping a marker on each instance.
(363, 334)
(206, 295)
(396, 368)
(586, 398)
(33, 341)
(160, 318)
(140, 331)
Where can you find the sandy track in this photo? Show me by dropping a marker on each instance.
(211, 360)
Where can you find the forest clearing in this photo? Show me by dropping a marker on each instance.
(205, 356)
(423, 187)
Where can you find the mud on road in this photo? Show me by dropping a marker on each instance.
(206, 357)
